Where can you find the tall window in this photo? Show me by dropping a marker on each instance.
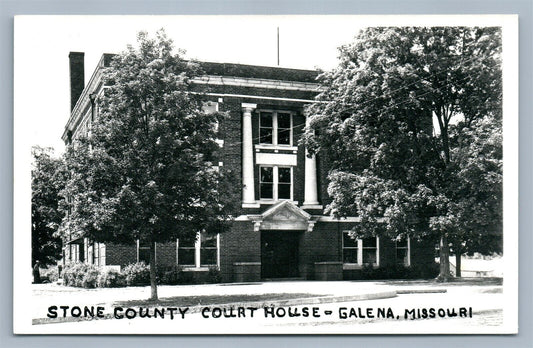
(208, 250)
(275, 128)
(350, 249)
(370, 251)
(358, 252)
(266, 182)
(275, 182)
(200, 252)
(266, 126)
(143, 252)
(211, 107)
(187, 252)
(284, 128)
(403, 256)
(284, 183)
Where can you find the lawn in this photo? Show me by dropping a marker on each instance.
(207, 300)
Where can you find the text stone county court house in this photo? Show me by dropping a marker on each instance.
(281, 230)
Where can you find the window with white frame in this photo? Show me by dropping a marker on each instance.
(208, 250)
(350, 249)
(187, 252)
(358, 252)
(200, 252)
(275, 127)
(403, 251)
(370, 251)
(275, 182)
(211, 107)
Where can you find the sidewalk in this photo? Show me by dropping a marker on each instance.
(277, 293)
(289, 293)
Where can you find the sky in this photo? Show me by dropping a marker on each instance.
(43, 43)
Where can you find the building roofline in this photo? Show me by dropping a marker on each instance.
(297, 79)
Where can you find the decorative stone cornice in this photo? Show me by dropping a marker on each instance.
(233, 81)
(249, 106)
(283, 216)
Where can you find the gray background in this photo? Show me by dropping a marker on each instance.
(9, 8)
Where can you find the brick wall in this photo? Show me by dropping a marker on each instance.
(240, 244)
(231, 132)
(423, 253)
(323, 244)
(118, 254)
(387, 252)
(123, 255)
(166, 254)
(422, 258)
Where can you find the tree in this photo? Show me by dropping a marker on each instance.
(477, 205)
(47, 180)
(398, 120)
(146, 170)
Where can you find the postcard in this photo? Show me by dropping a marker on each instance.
(266, 174)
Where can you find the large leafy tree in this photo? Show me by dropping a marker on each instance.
(476, 205)
(48, 178)
(402, 120)
(146, 171)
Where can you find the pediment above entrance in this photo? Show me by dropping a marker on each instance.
(284, 216)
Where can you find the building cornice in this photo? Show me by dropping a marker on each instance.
(94, 84)
(212, 80)
(259, 97)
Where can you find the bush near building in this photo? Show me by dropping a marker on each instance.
(81, 275)
(49, 275)
(136, 274)
(111, 278)
(399, 272)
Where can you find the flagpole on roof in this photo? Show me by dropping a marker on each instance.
(278, 46)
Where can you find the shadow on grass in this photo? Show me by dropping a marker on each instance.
(452, 282)
(207, 300)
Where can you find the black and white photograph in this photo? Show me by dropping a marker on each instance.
(327, 174)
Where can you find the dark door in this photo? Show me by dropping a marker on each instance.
(279, 254)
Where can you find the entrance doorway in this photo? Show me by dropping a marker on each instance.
(279, 254)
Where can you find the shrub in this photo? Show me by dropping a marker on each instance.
(399, 272)
(71, 274)
(50, 275)
(111, 278)
(170, 275)
(214, 276)
(423, 271)
(369, 272)
(90, 277)
(81, 275)
(137, 274)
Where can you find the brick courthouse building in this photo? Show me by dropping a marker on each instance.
(280, 231)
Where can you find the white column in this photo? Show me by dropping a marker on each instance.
(311, 196)
(248, 194)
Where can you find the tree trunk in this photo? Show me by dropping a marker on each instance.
(153, 276)
(444, 255)
(457, 262)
